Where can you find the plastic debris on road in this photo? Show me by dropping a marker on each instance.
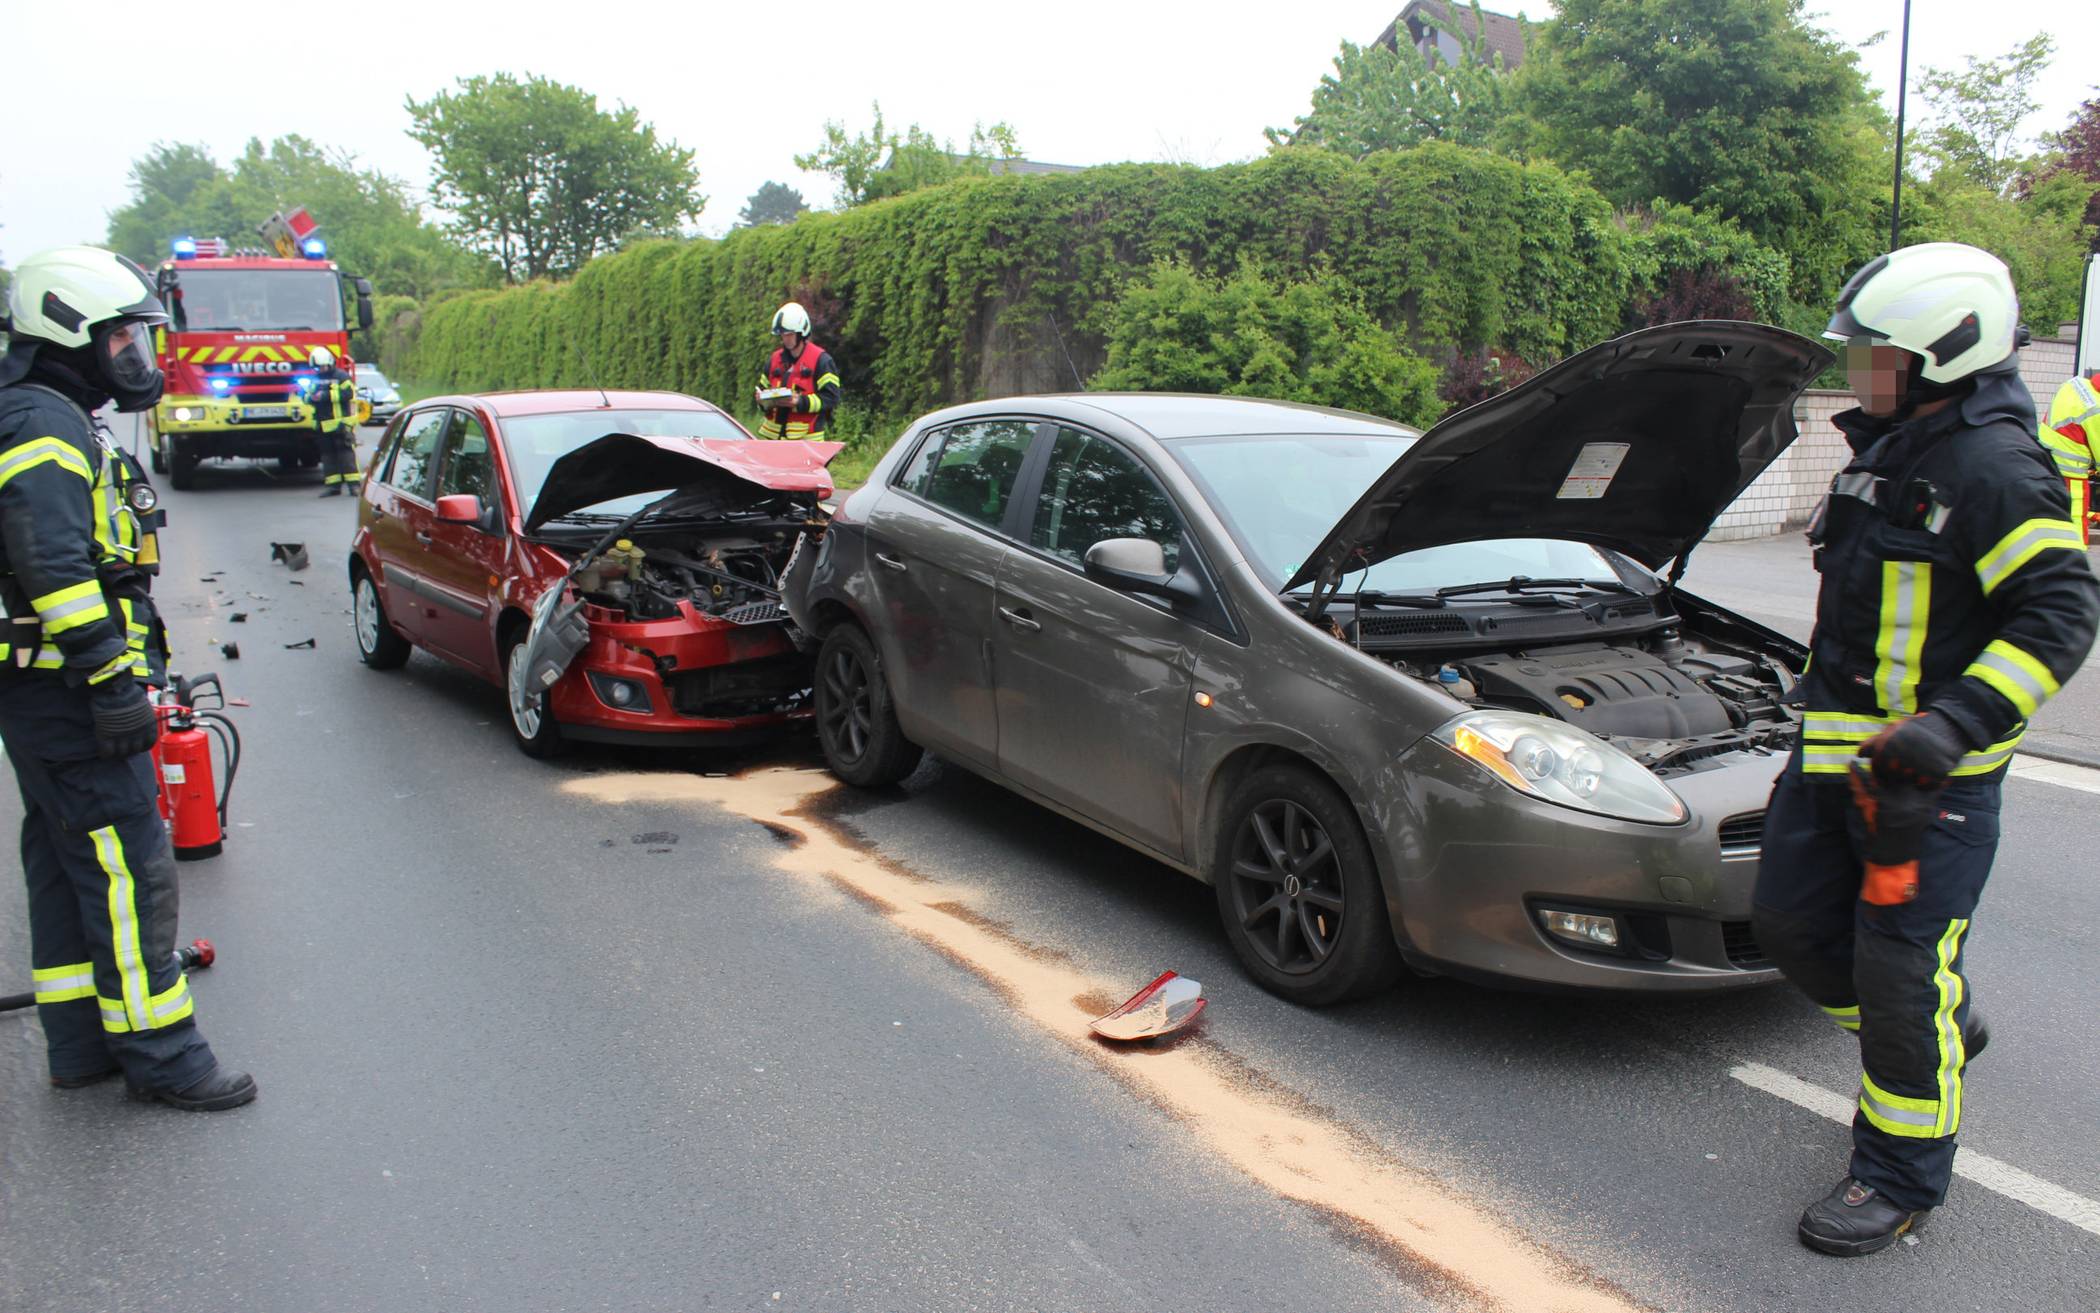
(292, 554)
(231, 651)
(294, 647)
(1160, 1008)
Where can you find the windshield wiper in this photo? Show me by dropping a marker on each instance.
(1521, 584)
(1373, 597)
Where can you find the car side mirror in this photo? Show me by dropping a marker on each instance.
(459, 508)
(1138, 565)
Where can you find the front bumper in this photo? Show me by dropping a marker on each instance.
(1473, 860)
(691, 678)
(214, 414)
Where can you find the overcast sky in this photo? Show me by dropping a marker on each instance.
(747, 86)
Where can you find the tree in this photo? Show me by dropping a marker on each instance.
(372, 226)
(878, 163)
(773, 202)
(1384, 98)
(1978, 112)
(1741, 107)
(540, 179)
(2076, 155)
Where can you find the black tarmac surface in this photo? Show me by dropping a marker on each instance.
(520, 1050)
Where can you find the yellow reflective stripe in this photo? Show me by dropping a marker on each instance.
(226, 355)
(71, 607)
(38, 451)
(1828, 758)
(124, 926)
(64, 984)
(1913, 1119)
(832, 379)
(113, 1019)
(1846, 1017)
(1953, 1053)
(1906, 600)
(2025, 682)
(1847, 726)
(1985, 760)
(171, 1004)
(2023, 544)
(816, 403)
(2074, 460)
(2074, 403)
(115, 666)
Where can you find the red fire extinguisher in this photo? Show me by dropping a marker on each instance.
(191, 801)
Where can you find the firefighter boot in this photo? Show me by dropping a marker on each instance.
(217, 1090)
(1854, 1219)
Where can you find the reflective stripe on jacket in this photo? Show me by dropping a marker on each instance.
(814, 377)
(2067, 433)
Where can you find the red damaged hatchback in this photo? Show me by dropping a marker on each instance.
(612, 559)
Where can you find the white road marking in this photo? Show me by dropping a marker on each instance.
(2083, 778)
(1986, 1171)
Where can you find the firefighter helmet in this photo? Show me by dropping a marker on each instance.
(321, 358)
(791, 318)
(63, 295)
(1951, 305)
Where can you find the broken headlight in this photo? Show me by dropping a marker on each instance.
(1561, 764)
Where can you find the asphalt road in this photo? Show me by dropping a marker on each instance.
(540, 1036)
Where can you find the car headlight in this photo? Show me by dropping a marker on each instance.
(183, 414)
(1561, 764)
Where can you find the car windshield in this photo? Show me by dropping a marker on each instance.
(256, 300)
(535, 442)
(1280, 495)
(368, 376)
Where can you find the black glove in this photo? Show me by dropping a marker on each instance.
(1917, 752)
(125, 721)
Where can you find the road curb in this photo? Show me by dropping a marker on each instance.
(2063, 755)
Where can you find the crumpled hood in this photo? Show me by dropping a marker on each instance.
(624, 464)
(1637, 444)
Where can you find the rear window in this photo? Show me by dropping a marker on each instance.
(534, 442)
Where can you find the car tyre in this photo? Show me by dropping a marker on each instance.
(159, 460)
(535, 730)
(182, 465)
(1298, 890)
(377, 644)
(856, 720)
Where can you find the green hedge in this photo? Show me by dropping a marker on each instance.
(1453, 249)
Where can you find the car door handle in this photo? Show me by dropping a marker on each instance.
(892, 562)
(1020, 619)
(423, 538)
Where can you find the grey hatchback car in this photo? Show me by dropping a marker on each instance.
(1403, 700)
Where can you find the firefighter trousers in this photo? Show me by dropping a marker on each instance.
(1891, 975)
(338, 456)
(102, 896)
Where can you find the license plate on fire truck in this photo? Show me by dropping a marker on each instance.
(266, 412)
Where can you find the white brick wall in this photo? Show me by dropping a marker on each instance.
(1786, 495)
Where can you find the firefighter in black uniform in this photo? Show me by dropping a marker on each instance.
(1955, 599)
(73, 711)
(334, 399)
(798, 390)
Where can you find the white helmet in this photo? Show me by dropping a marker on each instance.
(791, 318)
(77, 296)
(321, 358)
(1951, 305)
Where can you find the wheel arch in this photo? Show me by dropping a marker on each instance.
(1248, 758)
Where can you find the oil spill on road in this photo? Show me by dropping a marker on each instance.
(1446, 1247)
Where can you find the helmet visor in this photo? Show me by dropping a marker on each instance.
(128, 360)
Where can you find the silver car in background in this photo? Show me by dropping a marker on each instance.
(1403, 699)
(374, 387)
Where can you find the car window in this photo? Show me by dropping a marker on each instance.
(467, 466)
(971, 469)
(410, 471)
(1095, 490)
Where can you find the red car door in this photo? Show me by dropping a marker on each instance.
(399, 502)
(463, 563)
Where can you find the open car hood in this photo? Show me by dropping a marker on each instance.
(1637, 444)
(624, 464)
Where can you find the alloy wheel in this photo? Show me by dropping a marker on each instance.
(848, 718)
(367, 614)
(525, 712)
(1287, 886)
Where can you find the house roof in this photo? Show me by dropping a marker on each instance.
(1503, 36)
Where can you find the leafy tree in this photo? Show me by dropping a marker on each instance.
(2042, 239)
(878, 163)
(773, 202)
(372, 226)
(1249, 334)
(1978, 112)
(1383, 98)
(2077, 155)
(1741, 107)
(540, 179)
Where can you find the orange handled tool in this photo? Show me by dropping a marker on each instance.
(1897, 817)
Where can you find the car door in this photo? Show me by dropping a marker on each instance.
(1094, 683)
(935, 541)
(400, 509)
(462, 564)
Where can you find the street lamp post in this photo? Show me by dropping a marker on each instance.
(1902, 87)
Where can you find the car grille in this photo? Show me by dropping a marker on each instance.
(1388, 626)
(742, 688)
(754, 613)
(1743, 836)
(1741, 946)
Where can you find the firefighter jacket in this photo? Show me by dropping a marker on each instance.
(334, 400)
(815, 378)
(74, 558)
(1952, 580)
(2068, 432)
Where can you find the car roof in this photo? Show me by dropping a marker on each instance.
(548, 401)
(1168, 416)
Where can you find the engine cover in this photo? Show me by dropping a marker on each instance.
(1605, 690)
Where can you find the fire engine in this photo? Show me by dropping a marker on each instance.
(242, 326)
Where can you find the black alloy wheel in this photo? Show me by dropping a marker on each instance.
(856, 723)
(1298, 889)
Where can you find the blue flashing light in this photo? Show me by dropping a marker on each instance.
(315, 248)
(221, 384)
(305, 383)
(185, 248)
